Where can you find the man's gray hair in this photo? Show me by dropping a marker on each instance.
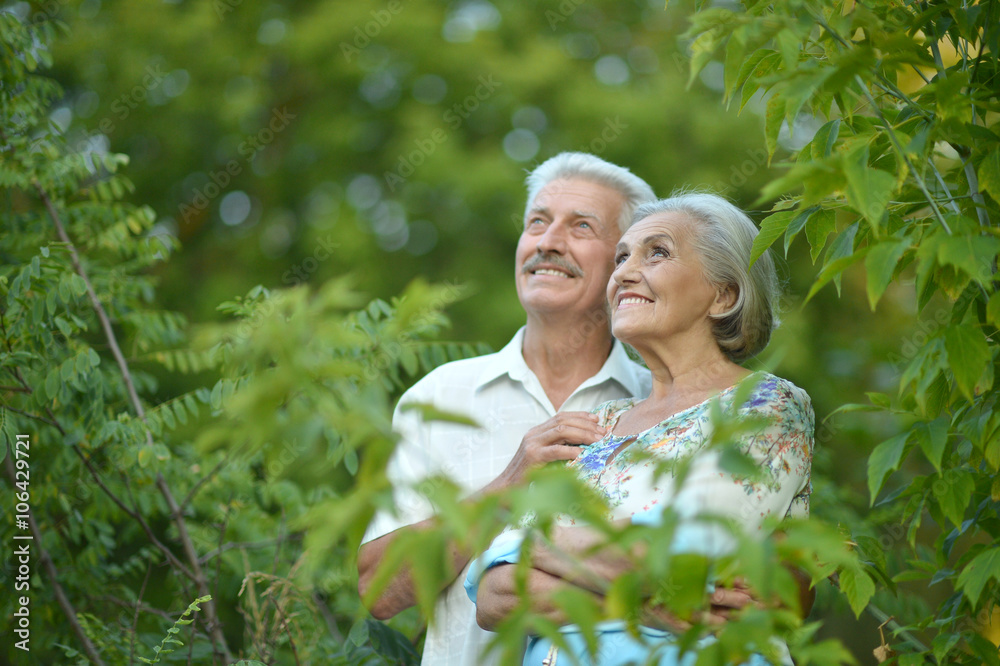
(590, 167)
(723, 235)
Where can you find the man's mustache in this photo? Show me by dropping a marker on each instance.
(552, 260)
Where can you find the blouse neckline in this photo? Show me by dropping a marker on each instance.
(617, 415)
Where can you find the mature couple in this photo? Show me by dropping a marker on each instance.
(674, 275)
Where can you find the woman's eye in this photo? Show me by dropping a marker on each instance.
(660, 252)
(620, 258)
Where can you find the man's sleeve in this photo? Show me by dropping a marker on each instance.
(412, 462)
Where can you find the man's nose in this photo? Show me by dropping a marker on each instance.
(554, 239)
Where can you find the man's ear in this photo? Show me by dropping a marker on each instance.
(725, 299)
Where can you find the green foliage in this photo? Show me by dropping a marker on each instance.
(906, 166)
(170, 638)
(143, 494)
(270, 432)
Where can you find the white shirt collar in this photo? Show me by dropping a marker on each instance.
(618, 367)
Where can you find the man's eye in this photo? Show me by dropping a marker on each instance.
(585, 225)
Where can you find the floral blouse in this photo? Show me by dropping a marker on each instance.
(780, 441)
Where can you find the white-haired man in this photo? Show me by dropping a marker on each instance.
(560, 365)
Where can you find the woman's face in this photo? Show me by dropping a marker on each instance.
(658, 290)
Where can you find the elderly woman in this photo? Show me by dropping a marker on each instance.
(682, 295)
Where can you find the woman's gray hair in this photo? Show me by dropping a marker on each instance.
(590, 167)
(723, 236)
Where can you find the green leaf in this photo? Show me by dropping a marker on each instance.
(968, 353)
(773, 118)
(431, 413)
(880, 264)
(932, 438)
(858, 587)
(993, 309)
(832, 271)
(818, 229)
(879, 399)
(359, 633)
(771, 229)
(796, 226)
(978, 572)
(885, 458)
(972, 254)
(52, 383)
(953, 490)
(868, 191)
(168, 416)
(989, 174)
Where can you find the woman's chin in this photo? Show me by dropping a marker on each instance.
(627, 334)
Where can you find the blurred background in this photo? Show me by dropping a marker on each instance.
(291, 142)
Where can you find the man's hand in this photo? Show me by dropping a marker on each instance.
(559, 438)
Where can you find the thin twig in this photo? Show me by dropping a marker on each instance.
(331, 621)
(34, 417)
(202, 481)
(135, 617)
(252, 545)
(145, 608)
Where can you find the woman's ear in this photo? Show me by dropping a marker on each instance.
(725, 299)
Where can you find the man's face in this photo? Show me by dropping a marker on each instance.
(566, 251)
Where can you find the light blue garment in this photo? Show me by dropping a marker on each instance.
(616, 647)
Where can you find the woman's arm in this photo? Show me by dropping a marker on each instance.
(497, 597)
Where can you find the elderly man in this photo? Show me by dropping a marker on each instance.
(560, 365)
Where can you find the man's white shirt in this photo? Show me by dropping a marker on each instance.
(506, 399)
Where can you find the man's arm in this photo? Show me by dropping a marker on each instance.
(399, 594)
(555, 439)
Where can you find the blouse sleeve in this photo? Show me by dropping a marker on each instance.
(781, 446)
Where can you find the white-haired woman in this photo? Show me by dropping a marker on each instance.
(681, 295)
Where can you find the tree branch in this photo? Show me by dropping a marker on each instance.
(218, 639)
